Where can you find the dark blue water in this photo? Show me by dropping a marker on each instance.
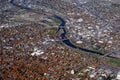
(67, 41)
(63, 35)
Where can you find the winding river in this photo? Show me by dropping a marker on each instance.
(65, 40)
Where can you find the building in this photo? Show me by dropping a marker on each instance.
(118, 76)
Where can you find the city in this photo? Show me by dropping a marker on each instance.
(59, 40)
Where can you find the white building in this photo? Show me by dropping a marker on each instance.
(118, 76)
(37, 52)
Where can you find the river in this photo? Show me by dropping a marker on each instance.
(65, 40)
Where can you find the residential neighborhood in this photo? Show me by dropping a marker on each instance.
(59, 40)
